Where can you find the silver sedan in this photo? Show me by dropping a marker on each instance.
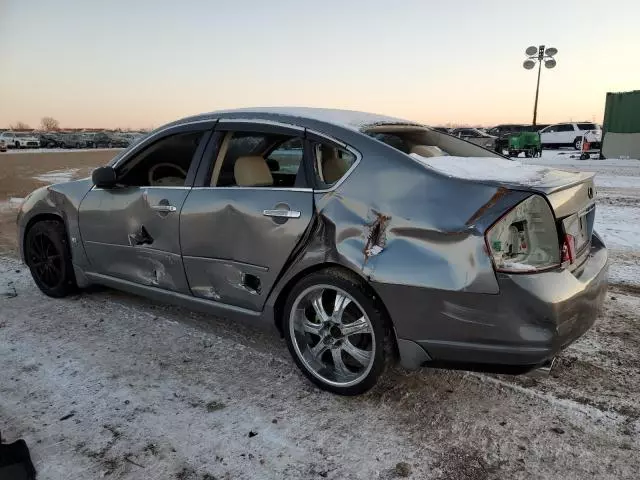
(359, 237)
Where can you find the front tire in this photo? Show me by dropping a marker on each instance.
(577, 143)
(48, 257)
(335, 332)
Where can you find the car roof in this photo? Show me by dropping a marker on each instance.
(349, 119)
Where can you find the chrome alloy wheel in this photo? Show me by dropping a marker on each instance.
(332, 335)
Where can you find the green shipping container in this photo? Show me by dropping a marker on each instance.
(621, 128)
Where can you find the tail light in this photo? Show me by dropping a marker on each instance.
(568, 249)
(525, 239)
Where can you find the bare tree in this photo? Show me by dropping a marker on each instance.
(19, 126)
(49, 124)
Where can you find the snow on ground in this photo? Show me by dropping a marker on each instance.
(57, 176)
(106, 384)
(13, 204)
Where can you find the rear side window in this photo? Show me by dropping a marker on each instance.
(331, 163)
(565, 127)
(587, 126)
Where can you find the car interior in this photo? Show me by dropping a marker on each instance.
(426, 142)
(163, 164)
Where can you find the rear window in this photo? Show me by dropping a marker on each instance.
(587, 126)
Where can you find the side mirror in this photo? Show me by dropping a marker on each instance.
(104, 177)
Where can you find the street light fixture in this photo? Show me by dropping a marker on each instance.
(539, 54)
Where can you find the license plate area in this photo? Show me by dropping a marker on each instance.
(580, 226)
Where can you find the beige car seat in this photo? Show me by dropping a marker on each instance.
(252, 171)
(428, 151)
(333, 167)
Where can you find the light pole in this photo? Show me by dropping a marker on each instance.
(539, 54)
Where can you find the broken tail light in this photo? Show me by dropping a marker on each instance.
(525, 239)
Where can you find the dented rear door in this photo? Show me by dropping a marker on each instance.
(236, 239)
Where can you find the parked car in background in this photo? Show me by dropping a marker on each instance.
(20, 139)
(570, 135)
(355, 235)
(73, 140)
(476, 136)
(50, 140)
(107, 140)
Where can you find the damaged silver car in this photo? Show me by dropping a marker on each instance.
(358, 236)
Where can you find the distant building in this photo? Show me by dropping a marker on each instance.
(621, 129)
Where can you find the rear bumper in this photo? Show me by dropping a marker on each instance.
(528, 322)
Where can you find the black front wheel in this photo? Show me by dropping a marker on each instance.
(47, 256)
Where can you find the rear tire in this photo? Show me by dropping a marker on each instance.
(335, 332)
(48, 257)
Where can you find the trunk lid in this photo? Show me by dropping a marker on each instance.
(571, 194)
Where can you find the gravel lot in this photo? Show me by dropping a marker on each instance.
(107, 384)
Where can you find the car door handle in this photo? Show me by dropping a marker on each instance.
(164, 208)
(281, 213)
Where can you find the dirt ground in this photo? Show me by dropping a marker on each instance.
(18, 172)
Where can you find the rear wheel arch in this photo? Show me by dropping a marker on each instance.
(279, 305)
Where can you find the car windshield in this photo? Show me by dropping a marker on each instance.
(21, 135)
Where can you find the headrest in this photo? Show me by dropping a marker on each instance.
(252, 171)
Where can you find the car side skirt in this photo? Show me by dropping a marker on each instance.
(217, 309)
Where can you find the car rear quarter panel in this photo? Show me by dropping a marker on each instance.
(399, 224)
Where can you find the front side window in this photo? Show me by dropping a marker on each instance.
(251, 159)
(331, 163)
(164, 163)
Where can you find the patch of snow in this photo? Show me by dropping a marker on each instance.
(517, 267)
(624, 274)
(351, 119)
(57, 176)
(617, 181)
(496, 169)
(12, 204)
(619, 226)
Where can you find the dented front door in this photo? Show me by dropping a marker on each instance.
(132, 233)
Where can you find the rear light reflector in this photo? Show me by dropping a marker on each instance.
(568, 249)
(525, 239)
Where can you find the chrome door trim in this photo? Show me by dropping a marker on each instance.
(281, 213)
(259, 121)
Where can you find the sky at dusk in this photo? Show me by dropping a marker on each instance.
(140, 64)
